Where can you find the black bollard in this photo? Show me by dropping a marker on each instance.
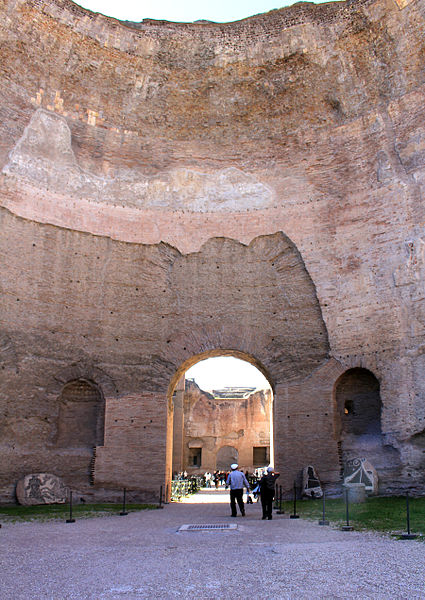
(294, 515)
(323, 521)
(70, 520)
(123, 512)
(276, 497)
(408, 535)
(166, 495)
(347, 527)
(280, 510)
(160, 498)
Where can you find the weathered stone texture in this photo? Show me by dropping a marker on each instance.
(170, 191)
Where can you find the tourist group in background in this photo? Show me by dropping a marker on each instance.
(215, 479)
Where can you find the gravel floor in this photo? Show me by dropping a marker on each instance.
(143, 556)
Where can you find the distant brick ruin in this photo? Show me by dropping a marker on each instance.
(214, 429)
(172, 192)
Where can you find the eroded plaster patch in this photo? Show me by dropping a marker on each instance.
(413, 268)
(44, 156)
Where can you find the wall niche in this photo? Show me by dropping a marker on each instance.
(81, 416)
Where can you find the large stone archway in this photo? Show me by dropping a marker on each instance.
(206, 421)
(254, 302)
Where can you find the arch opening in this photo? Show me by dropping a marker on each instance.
(80, 425)
(226, 455)
(359, 403)
(358, 409)
(80, 421)
(222, 414)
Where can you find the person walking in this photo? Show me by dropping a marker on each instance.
(237, 481)
(267, 491)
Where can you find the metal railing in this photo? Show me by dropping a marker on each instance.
(181, 488)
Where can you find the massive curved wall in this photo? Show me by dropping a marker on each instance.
(169, 190)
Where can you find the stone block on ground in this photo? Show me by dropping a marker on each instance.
(41, 488)
(311, 483)
(356, 492)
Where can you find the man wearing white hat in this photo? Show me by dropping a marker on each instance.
(236, 480)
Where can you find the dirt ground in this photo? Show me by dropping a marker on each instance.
(143, 555)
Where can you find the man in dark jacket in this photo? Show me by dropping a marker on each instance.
(267, 490)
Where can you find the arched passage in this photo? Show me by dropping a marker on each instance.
(214, 353)
(254, 302)
(214, 424)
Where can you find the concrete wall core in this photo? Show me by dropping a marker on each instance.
(170, 191)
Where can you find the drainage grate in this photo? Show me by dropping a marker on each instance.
(208, 527)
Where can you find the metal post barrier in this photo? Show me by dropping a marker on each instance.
(323, 521)
(294, 515)
(280, 510)
(408, 535)
(166, 495)
(70, 520)
(123, 512)
(160, 498)
(347, 527)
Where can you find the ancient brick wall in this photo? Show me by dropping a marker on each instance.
(173, 191)
(213, 423)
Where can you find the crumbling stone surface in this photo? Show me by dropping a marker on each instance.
(175, 191)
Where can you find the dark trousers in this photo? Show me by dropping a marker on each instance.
(267, 504)
(237, 496)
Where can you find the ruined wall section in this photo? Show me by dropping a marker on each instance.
(126, 316)
(130, 306)
(306, 120)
